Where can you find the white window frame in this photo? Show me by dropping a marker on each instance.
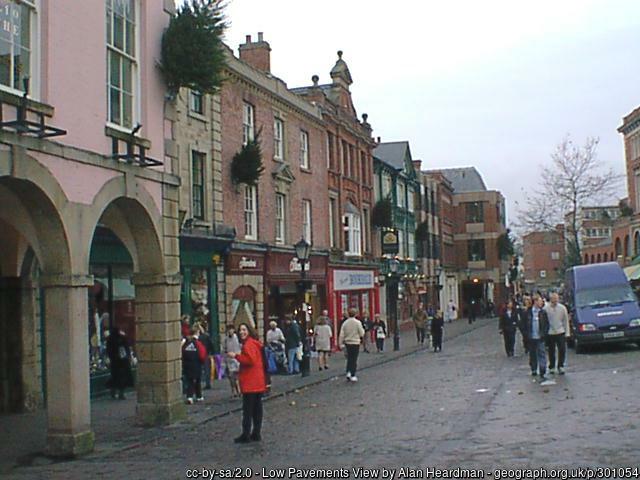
(278, 139)
(411, 247)
(307, 230)
(366, 229)
(250, 212)
(281, 218)
(332, 220)
(304, 149)
(351, 225)
(193, 95)
(401, 249)
(328, 150)
(410, 197)
(387, 184)
(248, 122)
(135, 73)
(400, 194)
(543, 274)
(34, 53)
(203, 157)
(555, 255)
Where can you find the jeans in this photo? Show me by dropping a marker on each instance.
(352, 359)
(294, 364)
(420, 334)
(251, 413)
(557, 342)
(509, 337)
(537, 356)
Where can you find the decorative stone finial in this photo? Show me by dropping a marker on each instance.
(315, 80)
(364, 117)
(340, 54)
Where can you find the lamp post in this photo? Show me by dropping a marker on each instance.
(303, 250)
(392, 301)
(438, 285)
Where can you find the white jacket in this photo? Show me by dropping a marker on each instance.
(351, 332)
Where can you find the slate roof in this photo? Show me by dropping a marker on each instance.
(392, 153)
(464, 179)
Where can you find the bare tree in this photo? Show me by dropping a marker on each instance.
(574, 180)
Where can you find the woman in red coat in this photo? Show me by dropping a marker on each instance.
(253, 382)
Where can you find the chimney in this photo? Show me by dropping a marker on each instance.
(257, 54)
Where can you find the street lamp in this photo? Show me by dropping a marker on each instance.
(438, 285)
(392, 302)
(303, 250)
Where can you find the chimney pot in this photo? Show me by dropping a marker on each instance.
(248, 39)
(260, 36)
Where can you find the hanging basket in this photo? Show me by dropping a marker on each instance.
(246, 166)
(422, 232)
(381, 214)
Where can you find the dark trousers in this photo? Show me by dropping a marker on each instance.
(537, 356)
(380, 344)
(509, 337)
(525, 341)
(420, 332)
(352, 358)
(436, 338)
(557, 342)
(251, 413)
(194, 386)
(206, 372)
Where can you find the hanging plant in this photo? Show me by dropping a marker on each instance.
(193, 54)
(246, 166)
(506, 247)
(422, 231)
(381, 214)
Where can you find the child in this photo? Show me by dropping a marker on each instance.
(193, 357)
(232, 344)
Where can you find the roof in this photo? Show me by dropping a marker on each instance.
(598, 275)
(464, 179)
(392, 153)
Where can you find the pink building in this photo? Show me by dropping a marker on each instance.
(84, 209)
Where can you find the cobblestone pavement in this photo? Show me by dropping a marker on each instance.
(468, 406)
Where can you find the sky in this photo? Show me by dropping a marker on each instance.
(494, 84)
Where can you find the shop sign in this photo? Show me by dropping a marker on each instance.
(390, 244)
(247, 262)
(353, 279)
(296, 266)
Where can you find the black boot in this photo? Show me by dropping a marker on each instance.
(255, 437)
(242, 439)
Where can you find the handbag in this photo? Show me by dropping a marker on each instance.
(380, 333)
(299, 353)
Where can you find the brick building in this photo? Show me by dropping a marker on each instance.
(543, 259)
(352, 270)
(288, 203)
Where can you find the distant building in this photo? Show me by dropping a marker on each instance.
(544, 253)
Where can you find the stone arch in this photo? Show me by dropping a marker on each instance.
(599, 258)
(618, 248)
(627, 249)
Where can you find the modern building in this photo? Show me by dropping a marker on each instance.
(480, 220)
(396, 179)
(352, 273)
(288, 203)
(543, 259)
(88, 212)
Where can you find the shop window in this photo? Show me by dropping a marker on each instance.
(18, 39)
(122, 62)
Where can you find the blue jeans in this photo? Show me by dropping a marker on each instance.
(537, 356)
(294, 365)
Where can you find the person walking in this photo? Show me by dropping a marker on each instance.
(559, 331)
(420, 322)
(293, 341)
(472, 311)
(507, 325)
(521, 311)
(367, 325)
(380, 330)
(322, 338)
(208, 345)
(437, 330)
(119, 353)
(351, 334)
(254, 382)
(194, 355)
(537, 329)
(452, 311)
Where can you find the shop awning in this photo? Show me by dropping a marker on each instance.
(632, 272)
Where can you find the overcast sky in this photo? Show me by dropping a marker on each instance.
(495, 83)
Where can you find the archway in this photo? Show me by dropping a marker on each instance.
(599, 258)
(592, 259)
(606, 256)
(618, 247)
(627, 250)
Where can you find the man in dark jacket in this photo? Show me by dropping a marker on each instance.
(537, 329)
(292, 340)
(522, 310)
(508, 325)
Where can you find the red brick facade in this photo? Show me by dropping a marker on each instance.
(543, 259)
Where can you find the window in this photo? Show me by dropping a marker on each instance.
(332, 220)
(343, 159)
(474, 212)
(400, 193)
(329, 150)
(197, 184)
(353, 169)
(352, 238)
(367, 229)
(250, 219)
(122, 64)
(280, 218)
(555, 255)
(304, 149)
(363, 167)
(17, 40)
(387, 184)
(248, 123)
(475, 250)
(278, 139)
(411, 240)
(401, 249)
(543, 274)
(196, 102)
(306, 220)
(410, 198)
(634, 147)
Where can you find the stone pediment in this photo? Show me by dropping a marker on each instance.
(283, 173)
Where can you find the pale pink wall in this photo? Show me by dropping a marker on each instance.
(74, 71)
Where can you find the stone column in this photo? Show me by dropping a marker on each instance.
(158, 348)
(67, 341)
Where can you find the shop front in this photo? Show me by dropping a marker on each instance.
(282, 285)
(352, 288)
(245, 271)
